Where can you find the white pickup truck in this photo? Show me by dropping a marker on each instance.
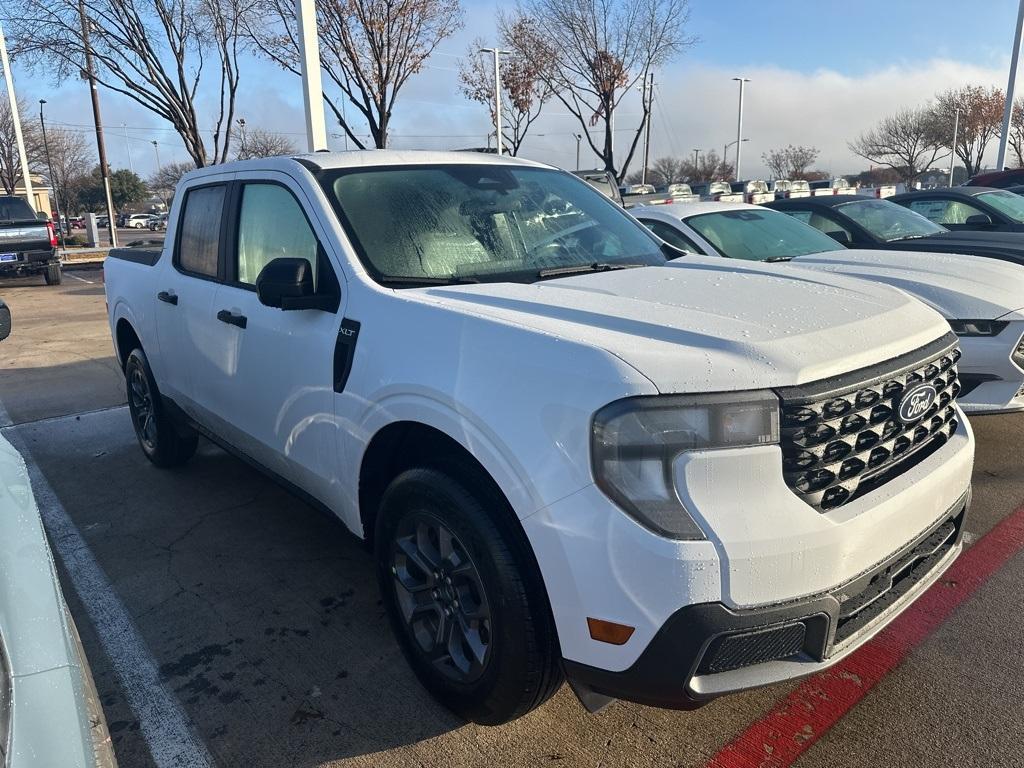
(573, 454)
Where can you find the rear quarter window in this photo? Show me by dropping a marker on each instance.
(199, 231)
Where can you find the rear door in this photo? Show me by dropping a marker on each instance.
(184, 288)
(276, 385)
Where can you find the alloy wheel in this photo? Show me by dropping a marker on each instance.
(141, 400)
(441, 597)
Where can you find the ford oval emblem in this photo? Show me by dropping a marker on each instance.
(915, 402)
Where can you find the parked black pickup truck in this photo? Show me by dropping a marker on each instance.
(28, 245)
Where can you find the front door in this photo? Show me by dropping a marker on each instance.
(276, 388)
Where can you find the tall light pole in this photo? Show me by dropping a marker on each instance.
(312, 88)
(53, 182)
(579, 138)
(156, 149)
(649, 103)
(952, 149)
(739, 124)
(16, 118)
(725, 149)
(101, 147)
(128, 146)
(1010, 88)
(497, 53)
(696, 157)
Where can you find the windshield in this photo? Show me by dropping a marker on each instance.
(760, 235)
(15, 209)
(1007, 203)
(468, 223)
(888, 221)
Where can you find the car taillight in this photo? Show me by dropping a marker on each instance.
(53, 234)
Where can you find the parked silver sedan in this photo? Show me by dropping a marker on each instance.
(50, 714)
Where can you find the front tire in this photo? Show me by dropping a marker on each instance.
(53, 275)
(464, 596)
(164, 442)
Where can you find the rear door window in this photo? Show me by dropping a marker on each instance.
(199, 231)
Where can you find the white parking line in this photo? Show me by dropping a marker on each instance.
(80, 279)
(164, 724)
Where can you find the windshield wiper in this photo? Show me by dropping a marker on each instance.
(582, 269)
(773, 259)
(425, 280)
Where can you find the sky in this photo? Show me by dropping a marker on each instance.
(821, 72)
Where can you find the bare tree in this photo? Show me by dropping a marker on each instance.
(524, 90)
(664, 170)
(152, 51)
(600, 51)
(256, 142)
(10, 161)
(165, 181)
(708, 167)
(904, 142)
(981, 117)
(790, 162)
(1016, 138)
(368, 50)
(70, 157)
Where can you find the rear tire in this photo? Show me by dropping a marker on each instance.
(165, 443)
(53, 275)
(464, 596)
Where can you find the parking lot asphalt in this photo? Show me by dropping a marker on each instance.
(229, 623)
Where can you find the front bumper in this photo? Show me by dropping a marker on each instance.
(708, 650)
(991, 374)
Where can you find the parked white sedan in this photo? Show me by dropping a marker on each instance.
(981, 298)
(50, 714)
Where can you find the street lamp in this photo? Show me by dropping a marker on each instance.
(739, 126)
(156, 149)
(696, 157)
(53, 183)
(725, 149)
(579, 138)
(128, 146)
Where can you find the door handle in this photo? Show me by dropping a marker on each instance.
(168, 298)
(232, 319)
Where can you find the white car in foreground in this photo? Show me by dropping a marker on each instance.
(572, 452)
(50, 713)
(981, 298)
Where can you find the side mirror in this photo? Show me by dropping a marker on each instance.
(979, 220)
(840, 236)
(287, 283)
(5, 320)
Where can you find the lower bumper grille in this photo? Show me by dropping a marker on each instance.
(844, 438)
(887, 586)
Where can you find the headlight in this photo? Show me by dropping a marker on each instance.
(978, 327)
(635, 441)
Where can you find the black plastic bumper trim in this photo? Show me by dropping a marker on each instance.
(660, 677)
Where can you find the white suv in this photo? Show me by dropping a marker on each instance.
(664, 483)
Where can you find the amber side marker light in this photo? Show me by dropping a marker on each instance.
(609, 631)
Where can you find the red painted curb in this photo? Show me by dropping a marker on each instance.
(805, 715)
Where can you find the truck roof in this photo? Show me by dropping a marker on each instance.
(365, 158)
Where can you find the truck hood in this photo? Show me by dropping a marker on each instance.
(705, 324)
(959, 287)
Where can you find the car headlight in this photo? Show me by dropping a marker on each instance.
(978, 327)
(634, 442)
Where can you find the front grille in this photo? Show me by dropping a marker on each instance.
(849, 440)
(1018, 353)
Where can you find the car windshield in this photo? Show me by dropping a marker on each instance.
(887, 221)
(1007, 203)
(760, 235)
(474, 223)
